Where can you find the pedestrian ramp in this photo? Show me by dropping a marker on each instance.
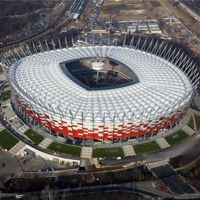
(162, 143)
(45, 143)
(188, 130)
(158, 164)
(128, 150)
(86, 152)
(22, 129)
(18, 148)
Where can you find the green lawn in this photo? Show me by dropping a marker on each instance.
(197, 119)
(7, 140)
(191, 123)
(35, 137)
(146, 147)
(6, 95)
(176, 137)
(64, 148)
(108, 152)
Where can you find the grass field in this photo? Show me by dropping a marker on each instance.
(64, 148)
(6, 95)
(108, 152)
(197, 119)
(146, 147)
(7, 140)
(35, 137)
(191, 123)
(176, 137)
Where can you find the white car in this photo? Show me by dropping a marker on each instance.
(19, 196)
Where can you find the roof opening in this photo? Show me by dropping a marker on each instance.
(99, 73)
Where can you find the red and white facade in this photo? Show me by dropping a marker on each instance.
(43, 93)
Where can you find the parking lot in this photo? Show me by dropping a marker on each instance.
(92, 20)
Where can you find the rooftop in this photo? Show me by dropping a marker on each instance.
(161, 88)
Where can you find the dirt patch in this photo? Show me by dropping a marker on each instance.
(125, 10)
(183, 16)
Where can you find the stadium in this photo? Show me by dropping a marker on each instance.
(104, 93)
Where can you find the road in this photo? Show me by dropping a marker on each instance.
(184, 149)
(138, 189)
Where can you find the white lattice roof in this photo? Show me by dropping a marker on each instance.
(162, 87)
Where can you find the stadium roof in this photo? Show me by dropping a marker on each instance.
(162, 87)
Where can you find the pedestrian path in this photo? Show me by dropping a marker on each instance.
(162, 143)
(86, 152)
(195, 125)
(19, 147)
(196, 112)
(22, 129)
(157, 164)
(45, 143)
(1, 127)
(128, 150)
(188, 130)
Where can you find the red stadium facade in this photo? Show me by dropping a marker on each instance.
(101, 132)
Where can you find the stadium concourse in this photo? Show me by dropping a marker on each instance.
(138, 92)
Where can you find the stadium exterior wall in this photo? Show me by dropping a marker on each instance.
(146, 125)
(97, 131)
